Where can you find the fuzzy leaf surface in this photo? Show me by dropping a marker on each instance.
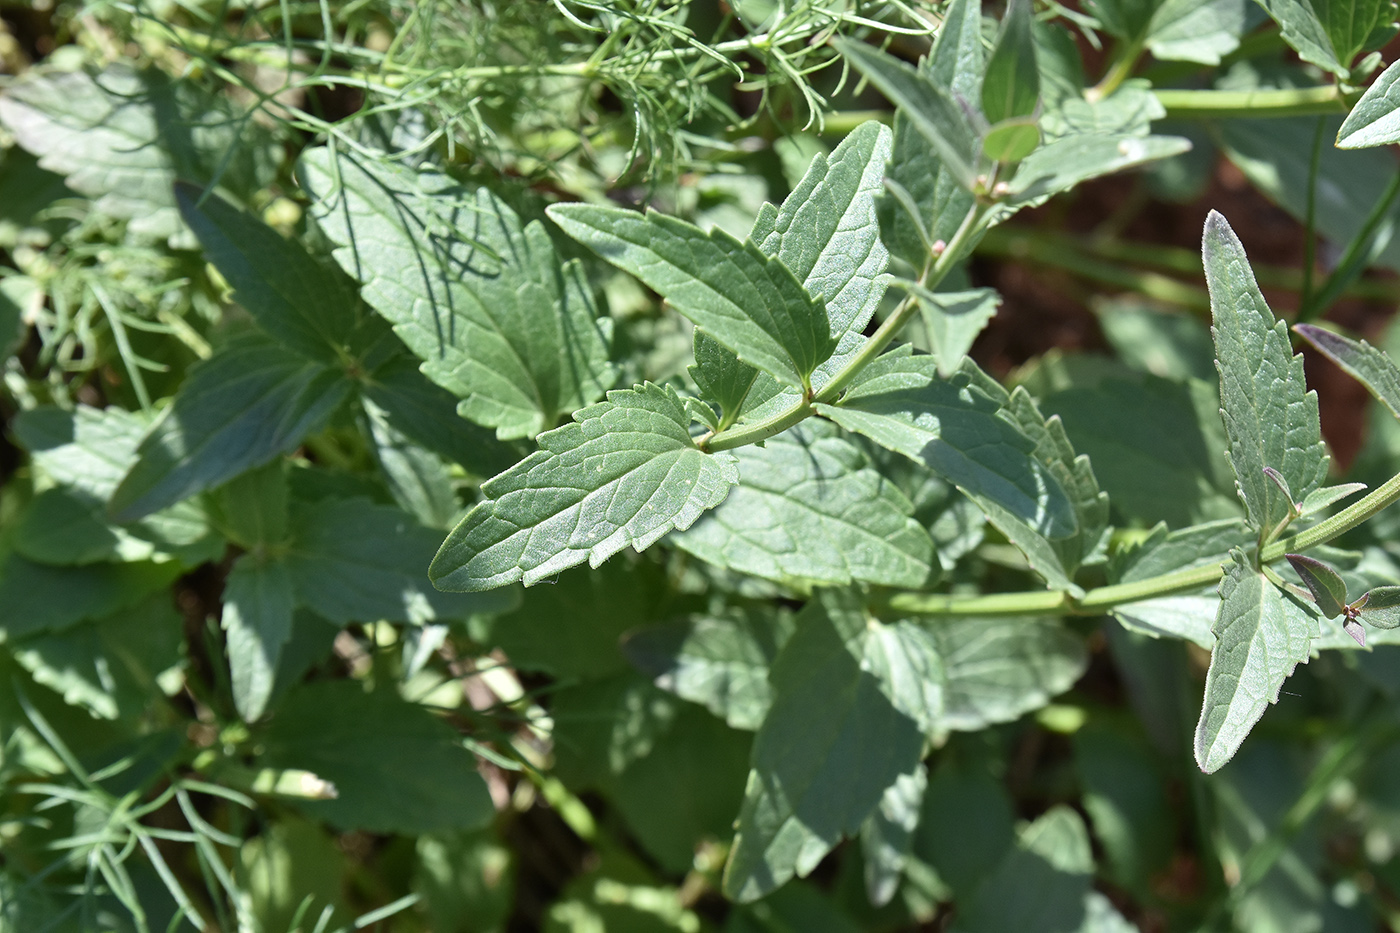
(625, 472)
(1261, 635)
(257, 621)
(1375, 119)
(1368, 365)
(479, 296)
(249, 403)
(900, 403)
(752, 304)
(1270, 417)
(810, 509)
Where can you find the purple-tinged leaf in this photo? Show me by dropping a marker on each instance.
(1326, 586)
(1368, 365)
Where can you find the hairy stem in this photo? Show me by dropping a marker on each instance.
(1287, 102)
(1180, 581)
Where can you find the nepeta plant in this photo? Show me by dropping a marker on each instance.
(318, 414)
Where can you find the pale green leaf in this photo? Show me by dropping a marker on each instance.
(257, 621)
(931, 108)
(625, 472)
(1129, 111)
(1197, 30)
(1183, 549)
(1011, 140)
(396, 768)
(1066, 162)
(720, 661)
(1011, 83)
(353, 561)
(809, 509)
(306, 306)
(1329, 33)
(900, 403)
(888, 834)
(122, 136)
(1380, 606)
(248, 404)
(481, 298)
(1270, 417)
(1368, 365)
(1261, 635)
(1190, 617)
(952, 321)
(752, 304)
(1375, 118)
(1322, 497)
(827, 750)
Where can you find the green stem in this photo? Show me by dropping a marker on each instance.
(759, 431)
(1119, 72)
(1043, 602)
(1288, 102)
(1310, 216)
(1359, 254)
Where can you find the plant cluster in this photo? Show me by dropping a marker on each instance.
(339, 337)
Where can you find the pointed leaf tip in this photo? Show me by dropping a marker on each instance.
(1326, 586)
(1381, 606)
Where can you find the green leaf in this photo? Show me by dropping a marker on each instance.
(257, 620)
(625, 472)
(998, 669)
(571, 629)
(353, 561)
(1319, 499)
(1329, 33)
(38, 597)
(1368, 365)
(1128, 802)
(1201, 31)
(1041, 884)
(720, 661)
(1323, 582)
(480, 297)
(1260, 636)
(418, 479)
(952, 321)
(1168, 344)
(1270, 417)
(967, 824)
(109, 665)
(900, 403)
(810, 510)
(245, 406)
(1190, 617)
(252, 508)
(931, 108)
(602, 727)
(887, 835)
(1183, 549)
(395, 767)
(747, 301)
(831, 744)
(1063, 163)
(1012, 140)
(123, 136)
(1380, 606)
(1011, 84)
(304, 305)
(426, 413)
(721, 376)
(1375, 118)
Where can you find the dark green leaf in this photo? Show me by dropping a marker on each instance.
(353, 561)
(931, 108)
(1011, 84)
(123, 136)
(480, 297)
(248, 404)
(900, 403)
(38, 597)
(626, 472)
(721, 376)
(252, 508)
(1270, 417)
(1041, 884)
(720, 661)
(1374, 120)
(810, 510)
(952, 321)
(419, 480)
(1368, 365)
(888, 834)
(602, 727)
(1381, 606)
(304, 305)
(748, 302)
(1260, 636)
(1323, 582)
(257, 617)
(967, 824)
(831, 744)
(1127, 799)
(395, 767)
